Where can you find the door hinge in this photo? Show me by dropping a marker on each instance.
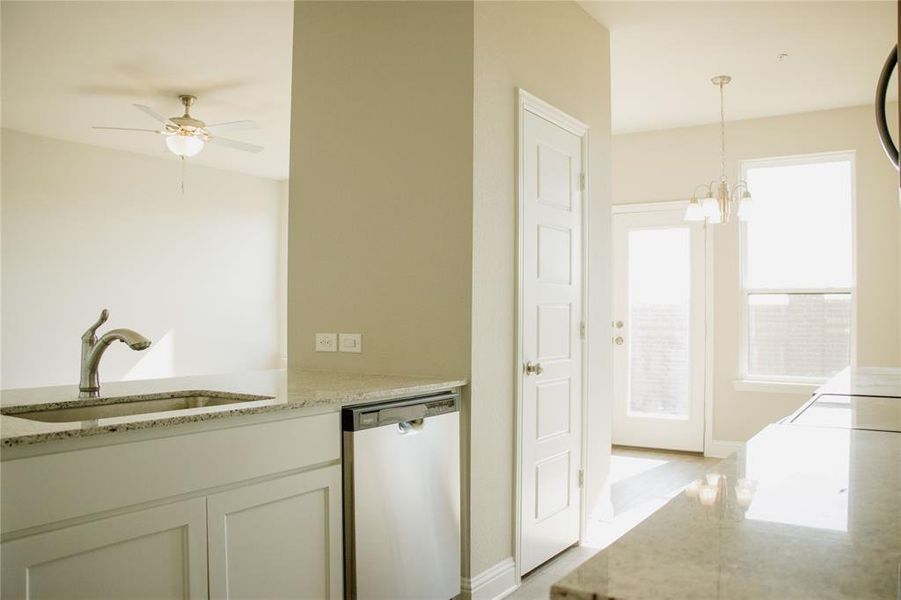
(582, 182)
(581, 477)
(582, 330)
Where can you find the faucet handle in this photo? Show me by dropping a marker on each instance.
(89, 334)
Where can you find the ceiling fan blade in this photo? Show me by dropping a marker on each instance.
(151, 113)
(235, 144)
(232, 126)
(124, 129)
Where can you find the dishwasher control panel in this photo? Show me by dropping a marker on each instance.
(366, 416)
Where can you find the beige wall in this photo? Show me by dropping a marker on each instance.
(380, 224)
(555, 51)
(666, 165)
(402, 204)
(86, 228)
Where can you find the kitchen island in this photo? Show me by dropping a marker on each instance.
(808, 508)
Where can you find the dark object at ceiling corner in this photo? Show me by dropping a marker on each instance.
(885, 134)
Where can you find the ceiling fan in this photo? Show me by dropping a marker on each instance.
(186, 135)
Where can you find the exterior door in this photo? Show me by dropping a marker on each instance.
(658, 331)
(551, 169)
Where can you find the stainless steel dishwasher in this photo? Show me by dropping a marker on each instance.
(402, 498)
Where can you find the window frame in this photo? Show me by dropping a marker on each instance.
(794, 383)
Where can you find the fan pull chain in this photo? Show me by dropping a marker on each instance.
(182, 176)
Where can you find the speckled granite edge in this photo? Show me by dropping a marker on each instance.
(309, 392)
(138, 424)
(103, 401)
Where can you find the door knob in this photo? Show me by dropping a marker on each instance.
(618, 340)
(534, 368)
(618, 324)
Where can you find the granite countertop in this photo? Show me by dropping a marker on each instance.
(306, 392)
(856, 398)
(822, 520)
(865, 381)
(851, 412)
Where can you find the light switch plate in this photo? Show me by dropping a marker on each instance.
(326, 342)
(350, 342)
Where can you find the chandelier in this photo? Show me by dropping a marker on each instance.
(717, 201)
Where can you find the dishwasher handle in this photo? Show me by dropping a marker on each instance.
(411, 427)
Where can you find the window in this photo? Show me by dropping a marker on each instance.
(797, 268)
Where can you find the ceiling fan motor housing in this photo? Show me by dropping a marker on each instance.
(188, 125)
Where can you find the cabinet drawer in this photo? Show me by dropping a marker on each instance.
(44, 489)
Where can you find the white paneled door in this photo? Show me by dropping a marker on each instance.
(658, 330)
(551, 179)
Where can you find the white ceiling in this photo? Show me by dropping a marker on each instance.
(663, 55)
(69, 65)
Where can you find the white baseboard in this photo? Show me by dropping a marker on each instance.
(721, 448)
(492, 583)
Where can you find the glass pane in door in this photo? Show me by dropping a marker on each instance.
(659, 271)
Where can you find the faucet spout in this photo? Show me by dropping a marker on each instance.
(135, 340)
(92, 350)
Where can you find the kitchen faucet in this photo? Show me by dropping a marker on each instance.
(93, 348)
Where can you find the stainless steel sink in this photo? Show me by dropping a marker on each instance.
(101, 408)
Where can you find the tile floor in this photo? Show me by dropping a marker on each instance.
(641, 481)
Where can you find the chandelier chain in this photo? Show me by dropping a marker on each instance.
(722, 134)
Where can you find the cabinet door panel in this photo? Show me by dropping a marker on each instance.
(278, 539)
(153, 553)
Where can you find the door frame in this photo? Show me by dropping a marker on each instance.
(526, 102)
(709, 237)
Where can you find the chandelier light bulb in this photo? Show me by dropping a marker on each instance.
(691, 490)
(707, 494)
(710, 208)
(694, 212)
(713, 478)
(745, 209)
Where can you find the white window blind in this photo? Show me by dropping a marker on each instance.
(797, 268)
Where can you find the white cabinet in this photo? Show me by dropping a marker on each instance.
(158, 552)
(277, 539)
(247, 511)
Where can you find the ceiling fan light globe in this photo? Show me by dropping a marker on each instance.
(184, 145)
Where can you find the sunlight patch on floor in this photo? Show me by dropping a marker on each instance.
(624, 467)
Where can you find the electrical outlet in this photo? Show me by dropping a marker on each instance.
(350, 342)
(326, 342)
